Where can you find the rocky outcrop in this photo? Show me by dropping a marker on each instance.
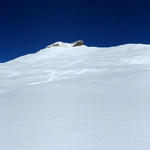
(57, 44)
(78, 43)
(62, 44)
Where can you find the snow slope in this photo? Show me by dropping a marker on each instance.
(76, 98)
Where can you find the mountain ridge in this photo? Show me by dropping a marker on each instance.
(71, 45)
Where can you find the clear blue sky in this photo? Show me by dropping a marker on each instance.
(29, 25)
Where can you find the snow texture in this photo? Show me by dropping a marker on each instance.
(76, 98)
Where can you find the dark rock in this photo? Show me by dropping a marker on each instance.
(78, 43)
(62, 44)
(55, 44)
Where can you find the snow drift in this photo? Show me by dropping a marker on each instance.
(76, 98)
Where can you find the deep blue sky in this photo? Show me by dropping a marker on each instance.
(29, 25)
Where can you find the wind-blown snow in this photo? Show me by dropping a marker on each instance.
(76, 98)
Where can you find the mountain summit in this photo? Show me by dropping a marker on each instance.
(63, 44)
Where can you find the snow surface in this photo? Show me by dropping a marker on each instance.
(76, 98)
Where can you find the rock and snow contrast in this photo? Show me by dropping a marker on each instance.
(68, 97)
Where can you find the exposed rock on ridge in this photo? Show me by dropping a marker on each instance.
(78, 43)
(62, 44)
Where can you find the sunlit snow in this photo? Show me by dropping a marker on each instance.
(76, 98)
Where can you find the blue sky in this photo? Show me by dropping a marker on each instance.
(29, 25)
